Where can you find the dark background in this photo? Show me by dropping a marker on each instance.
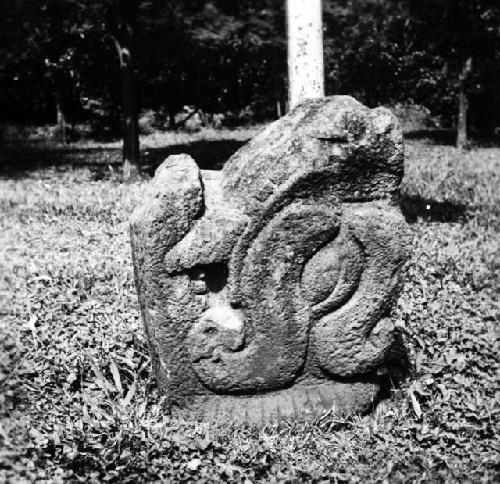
(226, 60)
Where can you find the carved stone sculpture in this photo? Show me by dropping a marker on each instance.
(266, 289)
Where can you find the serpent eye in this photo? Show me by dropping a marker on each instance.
(197, 277)
(331, 276)
(209, 277)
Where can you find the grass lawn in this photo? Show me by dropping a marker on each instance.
(78, 401)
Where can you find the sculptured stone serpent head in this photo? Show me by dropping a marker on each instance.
(266, 288)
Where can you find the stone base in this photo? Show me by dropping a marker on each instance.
(298, 403)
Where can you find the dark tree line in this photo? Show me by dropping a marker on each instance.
(101, 61)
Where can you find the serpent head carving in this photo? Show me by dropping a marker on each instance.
(284, 266)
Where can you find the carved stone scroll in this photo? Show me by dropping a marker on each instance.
(266, 289)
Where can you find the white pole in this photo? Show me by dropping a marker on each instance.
(305, 50)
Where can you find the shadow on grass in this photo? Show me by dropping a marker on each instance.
(437, 136)
(19, 159)
(209, 155)
(449, 137)
(416, 207)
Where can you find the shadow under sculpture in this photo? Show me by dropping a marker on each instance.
(266, 288)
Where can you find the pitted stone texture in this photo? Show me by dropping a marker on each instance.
(274, 279)
(298, 403)
(338, 139)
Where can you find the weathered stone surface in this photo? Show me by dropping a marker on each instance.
(266, 289)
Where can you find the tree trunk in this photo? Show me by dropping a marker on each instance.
(171, 120)
(305, 51)
(124, 36)
(203, 118)
(61, 121)
(463, 104)
(130, 122)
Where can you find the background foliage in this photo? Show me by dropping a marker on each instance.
(222, 56)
